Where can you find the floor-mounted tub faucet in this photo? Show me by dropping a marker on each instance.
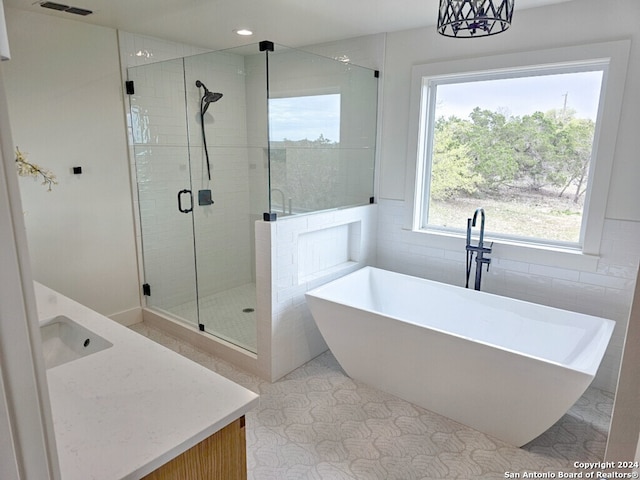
(479, 249)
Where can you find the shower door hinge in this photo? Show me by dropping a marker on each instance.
(266, 45)
(376, 73)
(201, 327)
(146, 290)
(128, 85)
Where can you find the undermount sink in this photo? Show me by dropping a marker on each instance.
(64, 340)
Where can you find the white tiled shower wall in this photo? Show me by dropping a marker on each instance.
(607, 292)
(289, 263)
(138, 49)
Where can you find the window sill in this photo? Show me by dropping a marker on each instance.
(548, 255)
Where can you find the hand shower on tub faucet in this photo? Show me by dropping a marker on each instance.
(480, 250)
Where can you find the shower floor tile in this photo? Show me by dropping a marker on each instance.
(318, 424)
(229, 315)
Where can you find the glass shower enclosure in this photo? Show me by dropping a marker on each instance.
(224, 139)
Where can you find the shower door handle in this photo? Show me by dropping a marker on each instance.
(180, 193)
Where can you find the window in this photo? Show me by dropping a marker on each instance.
(521, 136)
(517, 143)
(306, 118)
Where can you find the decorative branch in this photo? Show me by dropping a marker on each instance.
(28, 169)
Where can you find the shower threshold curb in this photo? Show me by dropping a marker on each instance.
(227, 351)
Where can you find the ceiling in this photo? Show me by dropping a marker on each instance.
(294, 23)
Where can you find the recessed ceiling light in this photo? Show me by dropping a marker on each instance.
(243, 31)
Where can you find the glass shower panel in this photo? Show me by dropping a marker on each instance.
(226, 93)
(158, 137)
(322, 131)
(223, 137)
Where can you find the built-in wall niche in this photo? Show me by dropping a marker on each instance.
(325, 251)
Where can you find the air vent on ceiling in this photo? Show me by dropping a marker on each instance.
(54, 6)
(79, 11)
(66, 8)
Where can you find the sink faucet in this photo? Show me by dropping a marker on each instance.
(480, 250)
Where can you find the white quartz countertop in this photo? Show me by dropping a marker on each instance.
(125, 411)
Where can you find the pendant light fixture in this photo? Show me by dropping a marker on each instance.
(474, 18)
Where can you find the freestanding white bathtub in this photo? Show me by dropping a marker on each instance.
(505, 367)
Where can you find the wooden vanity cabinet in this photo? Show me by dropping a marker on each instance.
(221, 456)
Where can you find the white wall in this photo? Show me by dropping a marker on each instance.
(604, 288)
(65, 101)
(366, 51)
(625, 420)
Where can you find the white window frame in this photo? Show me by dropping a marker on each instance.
(613, 57)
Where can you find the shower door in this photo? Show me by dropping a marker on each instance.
(198, 201)
(158, 136)
(228, 164)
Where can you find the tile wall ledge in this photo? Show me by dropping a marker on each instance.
(570, 258)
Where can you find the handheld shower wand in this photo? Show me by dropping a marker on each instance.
(207, 99)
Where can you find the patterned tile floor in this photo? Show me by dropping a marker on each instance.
(318, 424)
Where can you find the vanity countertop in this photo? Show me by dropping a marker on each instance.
(123, 412)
